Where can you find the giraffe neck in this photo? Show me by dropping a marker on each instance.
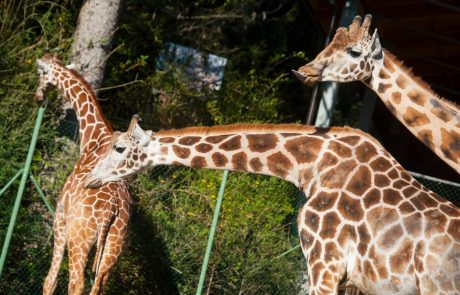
(94, 129)
(433, 120)
(290, 152)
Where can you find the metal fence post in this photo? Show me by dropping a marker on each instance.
(204, 266)
(25, 175)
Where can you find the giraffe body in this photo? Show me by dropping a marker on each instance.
(367, 222)
(355, 55)
(84, 217)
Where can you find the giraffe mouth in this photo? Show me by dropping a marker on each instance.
(93, 183)
(307, 79)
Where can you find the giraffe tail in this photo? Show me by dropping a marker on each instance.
(110, 211)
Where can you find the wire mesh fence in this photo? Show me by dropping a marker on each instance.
(172, 212)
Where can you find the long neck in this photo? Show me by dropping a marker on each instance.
(94, 129)
(433, 120)
(291, 152)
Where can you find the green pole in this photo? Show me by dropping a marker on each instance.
(22, 185)
(212, 232)
(42, 195)
(11, 181)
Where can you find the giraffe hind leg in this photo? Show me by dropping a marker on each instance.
(58, 253)
(112, 250)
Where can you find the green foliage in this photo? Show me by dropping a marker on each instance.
(255, 226)
(172, 207)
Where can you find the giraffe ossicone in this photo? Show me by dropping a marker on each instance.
(354, 54)
(84, 217)
(367, 223)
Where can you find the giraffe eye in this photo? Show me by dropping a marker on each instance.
(353, 52)
(119, 149)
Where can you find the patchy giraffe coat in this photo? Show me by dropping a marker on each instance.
(366, 223)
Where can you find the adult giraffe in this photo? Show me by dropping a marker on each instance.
(84, 217)
(354, 54)
(367, 222)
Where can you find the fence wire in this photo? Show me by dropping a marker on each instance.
(150, 257)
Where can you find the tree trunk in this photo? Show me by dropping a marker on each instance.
(93, 37)
(92, 42)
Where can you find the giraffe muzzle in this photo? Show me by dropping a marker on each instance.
(93, 183)
(307, 79)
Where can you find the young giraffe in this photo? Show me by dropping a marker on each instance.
(355, 55)
(84, 216)
(367, 222)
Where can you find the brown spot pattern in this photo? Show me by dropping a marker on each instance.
(391, 196)
(232, 144)
(450, 146)
(401, 82)
(279, 164)
(389, 238)
(360, 181)
(261, 142)
(383, 74)
(340, 149)
(219, 159)
(167, 139)
(240, 161)
(327, 160)
(198, 162)
(441, 114)
(329, 225)
(256, 164)
(396, 97)
(324, 201)
(365, 152)
(189, 140)
(372, 197)
(312, 220)
(413, 224)
(304, 149)
(381, 164)
(203, 147)
(426, 136)
(383, 87)
(216, 138)
(335, 177)
(350, 140)
(417, 97)
(380, 217)
(181, 152)
(414, 118)
(350, 208)
(402, 257)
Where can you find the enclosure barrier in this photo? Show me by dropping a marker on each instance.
(449, 190)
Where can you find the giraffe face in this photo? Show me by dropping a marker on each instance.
(126, 155)
(351, 56)
(45, 68)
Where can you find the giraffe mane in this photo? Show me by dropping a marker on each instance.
(263, 127)
(455, 107)
(88, 87)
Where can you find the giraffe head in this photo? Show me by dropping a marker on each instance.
(350, 56)
(48, 68)
(126, 155)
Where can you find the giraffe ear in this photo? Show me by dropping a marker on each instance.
(42, 67)
(376, 48)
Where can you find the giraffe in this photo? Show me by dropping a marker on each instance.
(367, 222)
(354, 54)
(84, 217)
